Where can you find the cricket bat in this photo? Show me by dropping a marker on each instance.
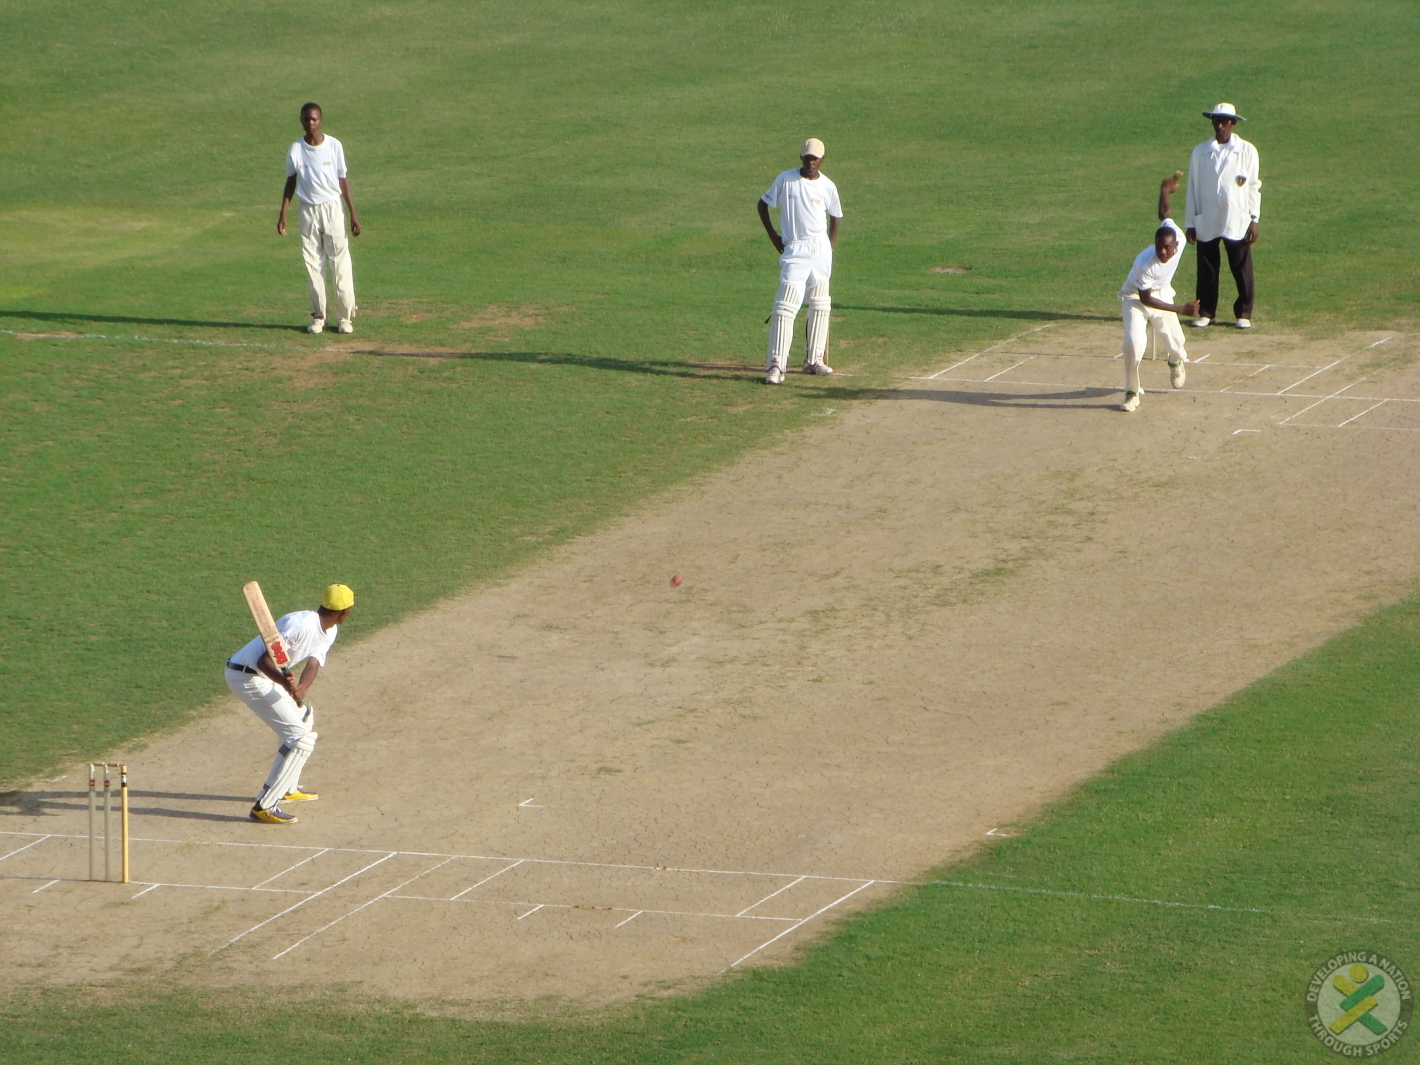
(266, 626)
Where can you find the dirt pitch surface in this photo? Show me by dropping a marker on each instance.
(900, 629)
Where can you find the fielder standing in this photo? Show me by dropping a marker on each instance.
(315, 175)
(1147, 297)
(809, 213)
(1224, 202)
(277, 699)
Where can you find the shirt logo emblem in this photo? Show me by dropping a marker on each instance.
(1242, 180)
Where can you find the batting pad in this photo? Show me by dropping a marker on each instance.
(292, 756)
(819, 306)
(781, 324)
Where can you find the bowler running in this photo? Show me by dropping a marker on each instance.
(1147, 297)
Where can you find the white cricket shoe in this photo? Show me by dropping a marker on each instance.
(1131, 402)
(1201, 323)
(317, 326)
(817, 368)
(1177, 374)
(1244, 323)
(775, 376)
(346, 326)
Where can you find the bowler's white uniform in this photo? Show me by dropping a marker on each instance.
(1150, 275)
(318, 170)
(806, 263)
(293, 725)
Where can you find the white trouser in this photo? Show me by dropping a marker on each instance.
(274, 705)
(1138, 321)
(323, 242)
(805, 265)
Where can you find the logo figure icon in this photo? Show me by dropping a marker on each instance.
(1359, 1002)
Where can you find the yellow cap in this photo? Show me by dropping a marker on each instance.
(338, 597)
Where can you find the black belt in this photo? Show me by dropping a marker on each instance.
(243, 669)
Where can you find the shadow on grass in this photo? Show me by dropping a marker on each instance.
(698, 370)
(121, 319)
(968, 312)
(1021, 400)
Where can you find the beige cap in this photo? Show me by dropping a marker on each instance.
(813, 146)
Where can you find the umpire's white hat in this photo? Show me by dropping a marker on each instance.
(1225, 111)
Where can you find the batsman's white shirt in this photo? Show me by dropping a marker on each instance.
(318, 170)
(1149, 274)
(804, 205)
(303, 635)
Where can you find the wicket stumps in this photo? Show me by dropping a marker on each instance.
(108, 816)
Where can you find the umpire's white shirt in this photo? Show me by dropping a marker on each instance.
(303, 635)
(318, 170)
(1224, 191)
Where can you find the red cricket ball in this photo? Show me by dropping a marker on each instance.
(675, 581)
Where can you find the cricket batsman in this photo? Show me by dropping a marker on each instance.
(809, 213)
(279, 699)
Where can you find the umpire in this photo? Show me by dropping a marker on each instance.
(1224, 198)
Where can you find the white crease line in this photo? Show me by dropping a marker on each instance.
(144, 340)
(1338, 392)
(534, 910)
(37, 890)
(485, 880)
(766, 898)
(1204, 358)
(1163, 902)
(1365, 428)
(1309, 376)
(303, 861)
(768, 874)
(1008, 369)
(231, 887)
(1353, 417)
(150, 887)
(992, 348)
(633, 917)
(1077, 387)
(305, 900)
(1236, 431)
(614, 909)
(800, 924)
(357, 909)
(26, 847)
(1256, 372)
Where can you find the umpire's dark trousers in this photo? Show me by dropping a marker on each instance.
(1239, 261)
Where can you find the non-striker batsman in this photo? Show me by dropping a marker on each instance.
(809, 213)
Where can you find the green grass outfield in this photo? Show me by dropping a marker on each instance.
(564, 195)
(1290, 808)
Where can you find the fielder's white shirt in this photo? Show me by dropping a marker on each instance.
(1224, 191)
(318, 169)
(302, 632)
(804, 205)
(1149, 274)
